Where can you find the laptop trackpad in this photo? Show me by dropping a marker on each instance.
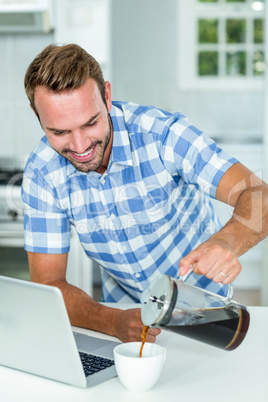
(89, 344)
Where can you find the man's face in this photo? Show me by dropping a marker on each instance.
(77, 124)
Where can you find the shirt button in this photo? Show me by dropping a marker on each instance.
(124, 248)
(137, 275)
(112, 216)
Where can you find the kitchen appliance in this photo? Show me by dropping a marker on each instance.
(187, 310)
(13, 258)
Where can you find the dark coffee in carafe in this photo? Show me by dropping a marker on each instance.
(194, 312)
(224, 328)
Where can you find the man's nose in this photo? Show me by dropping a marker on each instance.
(78, 142)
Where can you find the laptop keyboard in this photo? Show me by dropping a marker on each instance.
(93, 364)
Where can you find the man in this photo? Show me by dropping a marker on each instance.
(134, 182)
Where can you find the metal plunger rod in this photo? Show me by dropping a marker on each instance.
(154, 299)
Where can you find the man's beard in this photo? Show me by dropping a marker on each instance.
(91, 165)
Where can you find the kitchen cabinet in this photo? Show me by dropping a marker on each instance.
(86, 23)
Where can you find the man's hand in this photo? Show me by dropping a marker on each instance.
(214, 259)
(129, 327)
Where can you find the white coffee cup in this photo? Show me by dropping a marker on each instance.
(139, 374)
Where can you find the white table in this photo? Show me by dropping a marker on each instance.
(193, 372)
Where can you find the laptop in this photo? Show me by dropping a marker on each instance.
(36, 337)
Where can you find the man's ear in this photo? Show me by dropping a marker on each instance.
(108, 95)
(37, 115)
(34, 110)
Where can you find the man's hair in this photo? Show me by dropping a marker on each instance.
(62, 68)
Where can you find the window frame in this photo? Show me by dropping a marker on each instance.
(188, 79)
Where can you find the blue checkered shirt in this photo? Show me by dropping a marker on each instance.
(149, 209)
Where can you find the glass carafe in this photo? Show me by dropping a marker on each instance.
(174, 305)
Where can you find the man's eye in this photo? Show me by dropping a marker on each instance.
(91, 124)
(59, 132)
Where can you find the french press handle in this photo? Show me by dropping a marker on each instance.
(230, 290)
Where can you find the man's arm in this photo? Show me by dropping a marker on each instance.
(83, 311)
(248, 194)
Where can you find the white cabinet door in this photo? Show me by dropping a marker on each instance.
(86, 23)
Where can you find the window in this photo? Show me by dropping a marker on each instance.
(221, 42)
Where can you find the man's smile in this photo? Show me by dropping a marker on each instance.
(83, 157)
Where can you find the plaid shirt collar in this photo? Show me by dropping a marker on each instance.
(121, 152)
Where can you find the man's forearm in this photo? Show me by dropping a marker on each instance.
(84, 312)
(217, 258)
(249, 222)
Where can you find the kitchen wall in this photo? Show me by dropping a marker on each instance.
(144, 51)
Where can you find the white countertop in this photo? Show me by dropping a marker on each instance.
(193, 372)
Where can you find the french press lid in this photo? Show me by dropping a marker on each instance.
(158, 301)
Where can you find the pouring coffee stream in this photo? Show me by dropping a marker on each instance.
(143, 338)
(194, 312)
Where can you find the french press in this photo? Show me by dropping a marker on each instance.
(177, 306)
